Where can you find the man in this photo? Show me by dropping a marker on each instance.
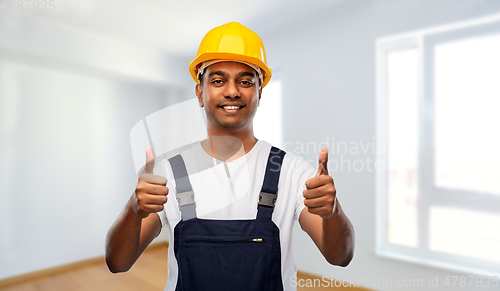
(236, 196)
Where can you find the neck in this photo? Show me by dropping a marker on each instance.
(228, 146)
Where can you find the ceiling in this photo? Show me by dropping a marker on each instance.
(177, 27)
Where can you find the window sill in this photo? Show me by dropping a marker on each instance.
(384, 254)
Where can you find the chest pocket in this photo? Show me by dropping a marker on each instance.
(228, 254)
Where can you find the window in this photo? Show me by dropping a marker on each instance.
(267, 121)
(438, 112)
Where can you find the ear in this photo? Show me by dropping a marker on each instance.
(199, 93)
(260, 95)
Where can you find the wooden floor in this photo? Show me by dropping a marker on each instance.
(148, 274)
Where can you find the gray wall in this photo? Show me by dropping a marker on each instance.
(328, 75)
(66, 110)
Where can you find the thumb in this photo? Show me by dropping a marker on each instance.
(323, 162)
(150, 161)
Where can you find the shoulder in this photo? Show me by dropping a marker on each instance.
(163, 167)
(292, 163)
(296, 167)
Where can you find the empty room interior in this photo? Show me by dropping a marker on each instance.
(405, 95)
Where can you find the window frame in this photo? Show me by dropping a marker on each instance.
(428, 194)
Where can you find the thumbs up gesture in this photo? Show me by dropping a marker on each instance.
(320, 193)
(151, 191)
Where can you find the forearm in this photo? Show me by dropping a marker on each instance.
(139, 223)
(337, 238)
(123, 241)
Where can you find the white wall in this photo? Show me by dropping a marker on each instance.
(39, 40)
(68, 101)
(328, 75)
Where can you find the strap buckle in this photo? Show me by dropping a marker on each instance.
(267, 199)
(185, 198)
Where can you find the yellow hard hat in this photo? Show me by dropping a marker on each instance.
(232, 41)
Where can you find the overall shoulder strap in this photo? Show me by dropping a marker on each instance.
(185, 194)
(269, 192)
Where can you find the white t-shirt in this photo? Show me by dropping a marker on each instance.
(230, 191)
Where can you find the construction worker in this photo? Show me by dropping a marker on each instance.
(235, 198)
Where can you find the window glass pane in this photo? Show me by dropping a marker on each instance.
(467, 119)
(465, 232)
(402, 146)
(267, 121)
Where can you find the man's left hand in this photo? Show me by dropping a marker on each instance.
(320, 193)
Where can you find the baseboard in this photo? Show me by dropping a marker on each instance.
(64, 268)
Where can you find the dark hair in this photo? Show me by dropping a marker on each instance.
(200, 77)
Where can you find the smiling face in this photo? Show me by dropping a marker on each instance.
(230, 93)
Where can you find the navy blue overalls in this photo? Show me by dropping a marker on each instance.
(228, 254)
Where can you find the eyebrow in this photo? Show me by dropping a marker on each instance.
(220, 73)
(240, 74)
(244, 73)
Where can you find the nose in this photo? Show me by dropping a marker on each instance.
(231, 90)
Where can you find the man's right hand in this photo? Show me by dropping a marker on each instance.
(151, 191)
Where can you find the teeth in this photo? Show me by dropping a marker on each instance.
(231, 107)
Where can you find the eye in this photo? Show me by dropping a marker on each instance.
(246, 83)
(217, 82)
